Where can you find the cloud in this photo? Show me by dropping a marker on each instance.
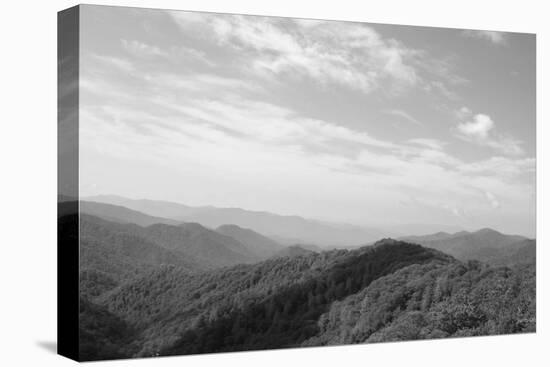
(404, 116)
(506, 145)
(251, 145)
(463, 113)
(142, 49)
(237, 126)
(497, 38)
(226, 133)
(480, 130)
(353, 55)
(493, 201)
(503, 168)
(173, 54)
(429, 143)
(203, 83)
(121, 64)
(269, 123)
(441, 88)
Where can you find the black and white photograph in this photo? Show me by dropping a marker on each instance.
(250, 182)
(275, 183)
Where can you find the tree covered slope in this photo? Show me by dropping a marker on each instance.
(261, 246)
(188, 245)
(433, 300)
(185, 289)
(271, 304)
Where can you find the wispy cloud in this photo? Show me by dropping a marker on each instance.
(203, 83)
(463, 113)
(502, 167)
(261, 136)
(269, 123)
(189, 125)
(114, 62)
(142, 49)
(255, 112)
(430, 143)
(173, 54)
(403, 116)
(349, 54)
(492, 200)
(497, 38)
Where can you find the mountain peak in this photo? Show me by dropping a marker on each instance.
(487, 231)
(387, 241)
(192, 226)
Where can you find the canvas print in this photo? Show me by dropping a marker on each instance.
(237, 183)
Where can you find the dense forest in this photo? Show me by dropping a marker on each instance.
(434, 300)
(149, 291)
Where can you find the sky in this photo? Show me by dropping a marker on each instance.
(358, 123)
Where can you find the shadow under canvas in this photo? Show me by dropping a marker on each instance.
(48, 345)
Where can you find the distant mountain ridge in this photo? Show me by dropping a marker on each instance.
(262, 246)
(251, 245)
(241, 243)
(190, 245)
(121, 214)
(484, 245)
(268, 224)
(157, 208)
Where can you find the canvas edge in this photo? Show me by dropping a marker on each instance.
(68, 34)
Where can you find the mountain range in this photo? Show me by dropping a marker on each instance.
(151, 285)
(121, 214)
(283, 229)
(230, 244)
(485, 245)
(390, 291)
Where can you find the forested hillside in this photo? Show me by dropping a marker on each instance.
(261, 246)
(434, 300)
(164, 290)
(188, 244)
(523, 252)
(287, 316)
(209, 247)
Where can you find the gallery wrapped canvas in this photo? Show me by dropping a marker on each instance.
(235, 183)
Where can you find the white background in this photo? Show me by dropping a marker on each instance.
(28, 183)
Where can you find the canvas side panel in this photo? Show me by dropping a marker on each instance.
(67, 160)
